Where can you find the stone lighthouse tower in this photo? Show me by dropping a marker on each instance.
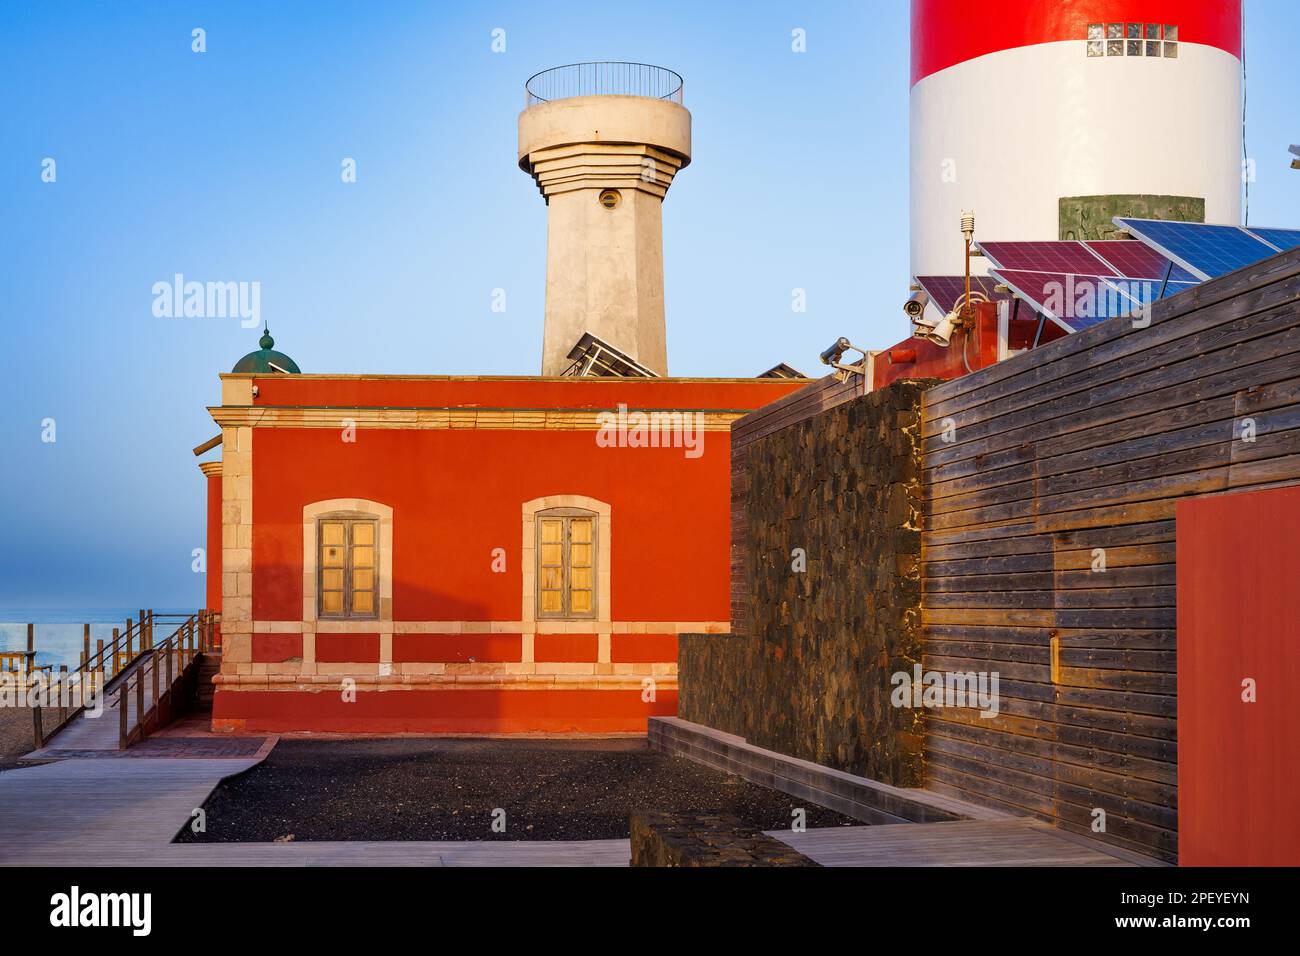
(604, 141)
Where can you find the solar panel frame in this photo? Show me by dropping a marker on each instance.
(1283, 239)
(1204, 249)
(1065, 257)
(1136, 260)
(1032, 288)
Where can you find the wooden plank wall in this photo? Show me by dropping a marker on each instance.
(808, 401)
(1088, 443)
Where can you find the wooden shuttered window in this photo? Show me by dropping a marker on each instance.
(566, 564)
(347, 567)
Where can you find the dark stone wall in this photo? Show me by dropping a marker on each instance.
(811, 680)
(706, 839)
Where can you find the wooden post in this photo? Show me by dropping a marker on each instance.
(144, 644)
(31, 650)
(153, 666)
(171, 650)
(139, 699)
(85, 643)
(129, 625)
(36, 727)
(63, 693)
(114, 649)
(121, 714)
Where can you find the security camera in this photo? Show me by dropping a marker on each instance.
(836, 352)
(833, 354)
(915, 304)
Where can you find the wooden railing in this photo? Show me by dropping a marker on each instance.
(92, 675)
(112, 663)
(23, 662)
(171, 665)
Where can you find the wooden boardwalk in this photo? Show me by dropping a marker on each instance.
(101, 732)
(956, 843)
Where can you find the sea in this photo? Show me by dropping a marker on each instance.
(58, 634)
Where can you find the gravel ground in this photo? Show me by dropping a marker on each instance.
(447, 789)
(16, 735)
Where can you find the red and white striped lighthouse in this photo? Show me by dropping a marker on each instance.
(1048, 117)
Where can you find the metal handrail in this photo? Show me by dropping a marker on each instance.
(603, 78)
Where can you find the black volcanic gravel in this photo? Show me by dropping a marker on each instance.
(446, 789)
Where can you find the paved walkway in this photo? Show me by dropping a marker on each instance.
(93, 805)
(106, 811)
(956, 843)
(101, 811)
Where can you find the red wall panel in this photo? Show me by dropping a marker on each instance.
(533, 392)
(566, 648)
(442, 711)
(457, 494)
(643, 648)
(456, 648)
(212, 590)
(1238, 762)
(347, 648)
(275, 648)
(948, 32)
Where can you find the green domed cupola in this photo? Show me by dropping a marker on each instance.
(266, 359)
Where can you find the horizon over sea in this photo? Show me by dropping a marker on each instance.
(58, 632)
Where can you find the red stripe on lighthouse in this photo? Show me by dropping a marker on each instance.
(948, 32)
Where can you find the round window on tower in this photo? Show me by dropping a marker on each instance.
(610, 198)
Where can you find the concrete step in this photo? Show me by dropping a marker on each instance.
(858, 797)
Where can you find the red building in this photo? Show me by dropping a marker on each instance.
(448, 554)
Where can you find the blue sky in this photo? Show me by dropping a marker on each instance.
(225, 166)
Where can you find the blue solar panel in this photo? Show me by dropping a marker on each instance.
(1073, 301)
(1284, 239)
(1205, 250)
(1146, 291)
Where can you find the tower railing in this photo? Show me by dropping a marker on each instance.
(608, 78)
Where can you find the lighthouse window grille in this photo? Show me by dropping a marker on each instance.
(1132, 39)
(1096, 38)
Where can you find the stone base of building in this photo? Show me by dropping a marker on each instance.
(440, 711)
